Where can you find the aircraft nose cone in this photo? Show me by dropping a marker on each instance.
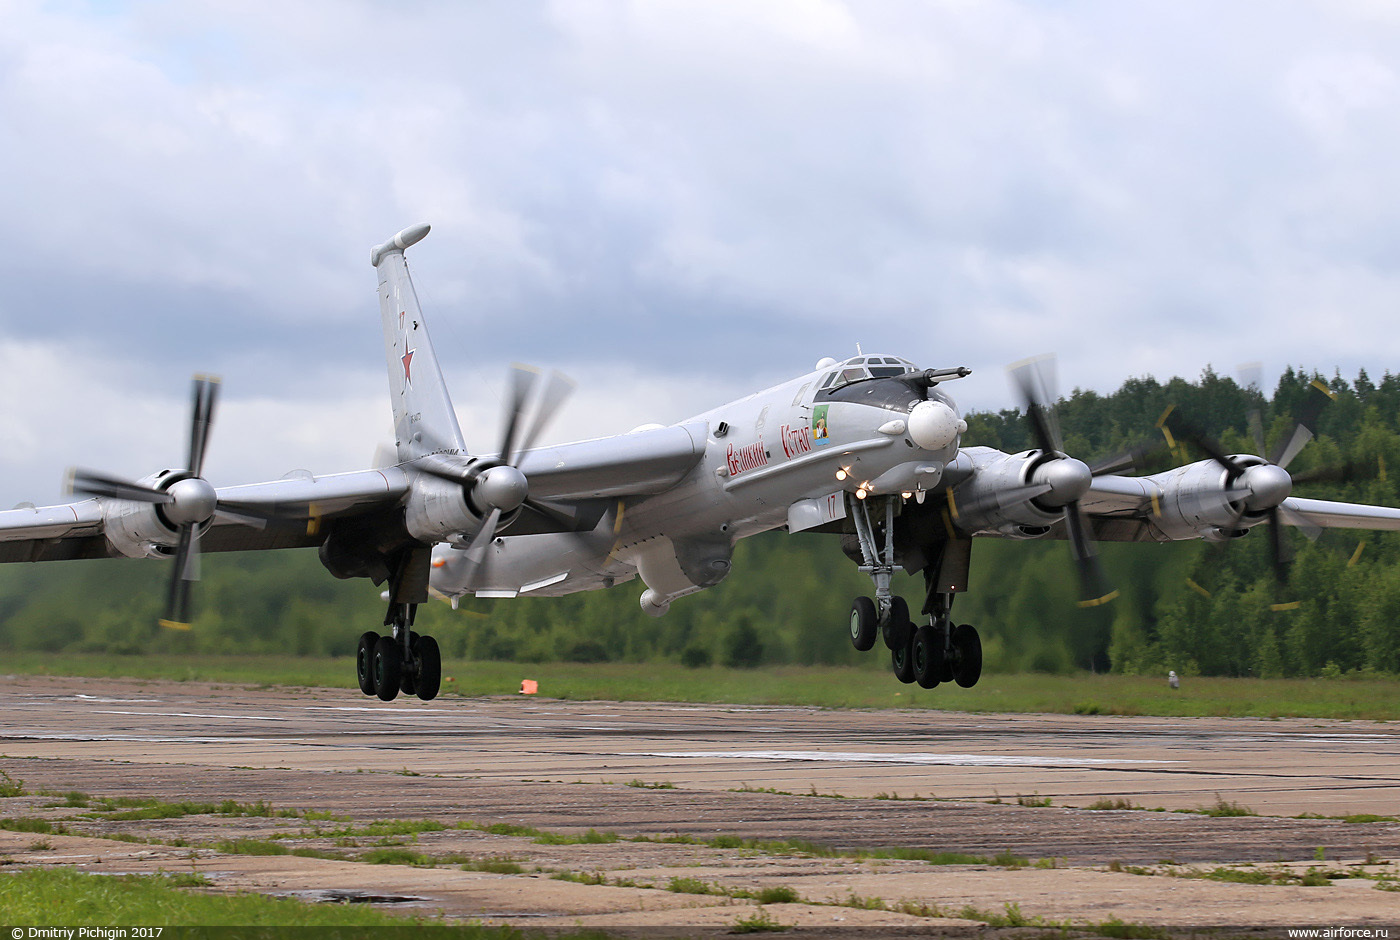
(503, 488)
(1268, 486)
(1069, 479)
(192, 501)
(934, 426)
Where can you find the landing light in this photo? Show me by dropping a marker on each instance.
(842, 473)
(860, 493)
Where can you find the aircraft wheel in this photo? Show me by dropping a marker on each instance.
(927, 656)
(408, 679)
(898, 629)
(967, 647)
(902, 660)
(429, 658)
(865, 623)
(364, 661)
(388, 668)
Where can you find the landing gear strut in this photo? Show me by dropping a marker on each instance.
(936, 652)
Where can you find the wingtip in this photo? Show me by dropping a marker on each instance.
(173, 624)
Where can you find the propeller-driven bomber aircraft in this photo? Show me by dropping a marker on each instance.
(868, 448)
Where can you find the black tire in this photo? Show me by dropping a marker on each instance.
(429, 659)
(967, 650)
(898, 629)
(364, 661)
(865, 623)
(902, 660)
(388, 668)
(927, 657)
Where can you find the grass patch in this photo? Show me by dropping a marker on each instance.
(496, 865)
(33, 897)
(591, 837)
(1224, 808)
(251, 847)
(30, 824)
(396, 856)
(758, 922)
(691, 886)
(9, 786)
(643, 785)
(1107, 804)
(826, 686)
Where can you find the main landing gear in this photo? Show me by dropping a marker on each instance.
(931, 654)
(404, 661)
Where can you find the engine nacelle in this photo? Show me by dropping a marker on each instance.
(1018, 496)
(1199, 499)
(141, 530)
(439, 510)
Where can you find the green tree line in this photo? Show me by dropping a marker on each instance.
(1194, 607)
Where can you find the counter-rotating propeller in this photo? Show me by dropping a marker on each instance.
(1060, 481)
(1258, 487)
(496, 487)
(187, 505)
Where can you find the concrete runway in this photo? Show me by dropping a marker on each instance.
(1284, 768)
(761, 774)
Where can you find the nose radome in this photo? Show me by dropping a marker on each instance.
(934, 426)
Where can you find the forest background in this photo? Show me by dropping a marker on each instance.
(1198, 608)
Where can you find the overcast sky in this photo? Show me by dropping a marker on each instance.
(676, 203)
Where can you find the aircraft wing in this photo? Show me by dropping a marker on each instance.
(294, 508)
(635, 464)
(1332, 515)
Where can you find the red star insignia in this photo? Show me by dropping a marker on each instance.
(407, 361)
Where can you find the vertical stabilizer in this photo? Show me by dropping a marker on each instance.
(424, 422)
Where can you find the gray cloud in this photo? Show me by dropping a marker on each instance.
(699, 197)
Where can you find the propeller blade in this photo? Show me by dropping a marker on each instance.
(90, 483)
(476, 548)
(1337, 473)
(1278, 548)
(1299, 440)
(256, 522)
(186, 570)
(1131, 459)
(523, 379)
(206, 393)
(569, 518)
(1094, 587)
(1301, 522)
(1187, 431)
(556, 391)
(1000, 499)
(1034, 379)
